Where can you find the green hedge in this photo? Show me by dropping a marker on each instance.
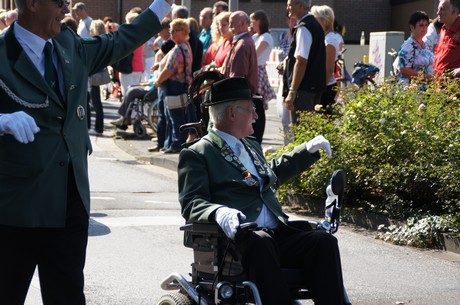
(399, 146)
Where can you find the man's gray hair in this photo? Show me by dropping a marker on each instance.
(207, 10)
(242, 16)
(180, 11)
(306, 3)
(216, 112)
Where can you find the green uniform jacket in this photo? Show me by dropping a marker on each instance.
(208, 180)
(33, 177)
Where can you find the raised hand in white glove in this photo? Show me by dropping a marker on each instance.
(19, 124)
(317, 143)
(229, 220)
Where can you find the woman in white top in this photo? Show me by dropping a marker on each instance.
(264, 45)
(325, 16)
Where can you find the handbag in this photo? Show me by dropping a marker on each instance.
(176, 92)
(100, 78)
(176, 101)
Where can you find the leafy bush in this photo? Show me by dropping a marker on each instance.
(400, 148)
(422, 233)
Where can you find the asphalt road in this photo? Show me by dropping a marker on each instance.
(135, 242)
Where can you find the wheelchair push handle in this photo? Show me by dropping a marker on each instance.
(197, 126)
(246, 227)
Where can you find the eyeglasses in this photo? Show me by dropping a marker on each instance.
(251, 110)
(61, 3)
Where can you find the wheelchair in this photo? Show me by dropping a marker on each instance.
(217, 274)
(144, 113)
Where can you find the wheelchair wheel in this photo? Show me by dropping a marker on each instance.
(153, 115)
(139, 129)
(174, 298)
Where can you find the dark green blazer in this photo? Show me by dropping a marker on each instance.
(208, 180)
(33, 177)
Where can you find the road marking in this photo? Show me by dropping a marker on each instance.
(102, 198)
(137, 221)
(106, 158)
(35, 281)
(156, 201)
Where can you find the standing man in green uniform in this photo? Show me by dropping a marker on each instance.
(44, 143)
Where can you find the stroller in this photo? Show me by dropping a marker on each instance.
(364, 74)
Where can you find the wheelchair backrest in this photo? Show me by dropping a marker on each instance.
(214, 254)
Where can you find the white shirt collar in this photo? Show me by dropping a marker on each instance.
(228, 138)
(29, 40)
(303, 17)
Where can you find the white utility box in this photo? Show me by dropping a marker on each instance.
(380, 43)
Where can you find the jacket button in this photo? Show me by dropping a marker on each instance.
(258, 209)
(62, 163)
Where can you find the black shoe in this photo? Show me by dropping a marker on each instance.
(118, 122)
(94, 133)
(154, 148)
(171, 151)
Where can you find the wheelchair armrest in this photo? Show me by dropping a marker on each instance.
(209, 228)
(304, 225)
(213, 228)
(247, 227)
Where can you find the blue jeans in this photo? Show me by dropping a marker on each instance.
(177, 118)
(163, 125)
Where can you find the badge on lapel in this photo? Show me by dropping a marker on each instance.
(81, 113)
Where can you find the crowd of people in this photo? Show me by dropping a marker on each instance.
(221, 40)
(433, 48)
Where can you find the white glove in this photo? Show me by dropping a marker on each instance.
(317, 143)
(19, 124)
(229, 220)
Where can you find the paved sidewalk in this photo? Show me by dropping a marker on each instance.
(137, 147)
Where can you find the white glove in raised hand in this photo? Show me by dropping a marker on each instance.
(19, 124)
(228, 220)
(317, 143)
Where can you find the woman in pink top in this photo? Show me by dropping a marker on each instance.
(135, 77)
(222, 37)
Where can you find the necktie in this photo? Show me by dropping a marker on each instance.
(243, 154)
(51, 76)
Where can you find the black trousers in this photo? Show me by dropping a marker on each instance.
(259, 125)
(95, 93)
(316, 253)
(328, 98)
(59, 254)
(305, 101)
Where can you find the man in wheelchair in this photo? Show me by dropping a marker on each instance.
(225, 179)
